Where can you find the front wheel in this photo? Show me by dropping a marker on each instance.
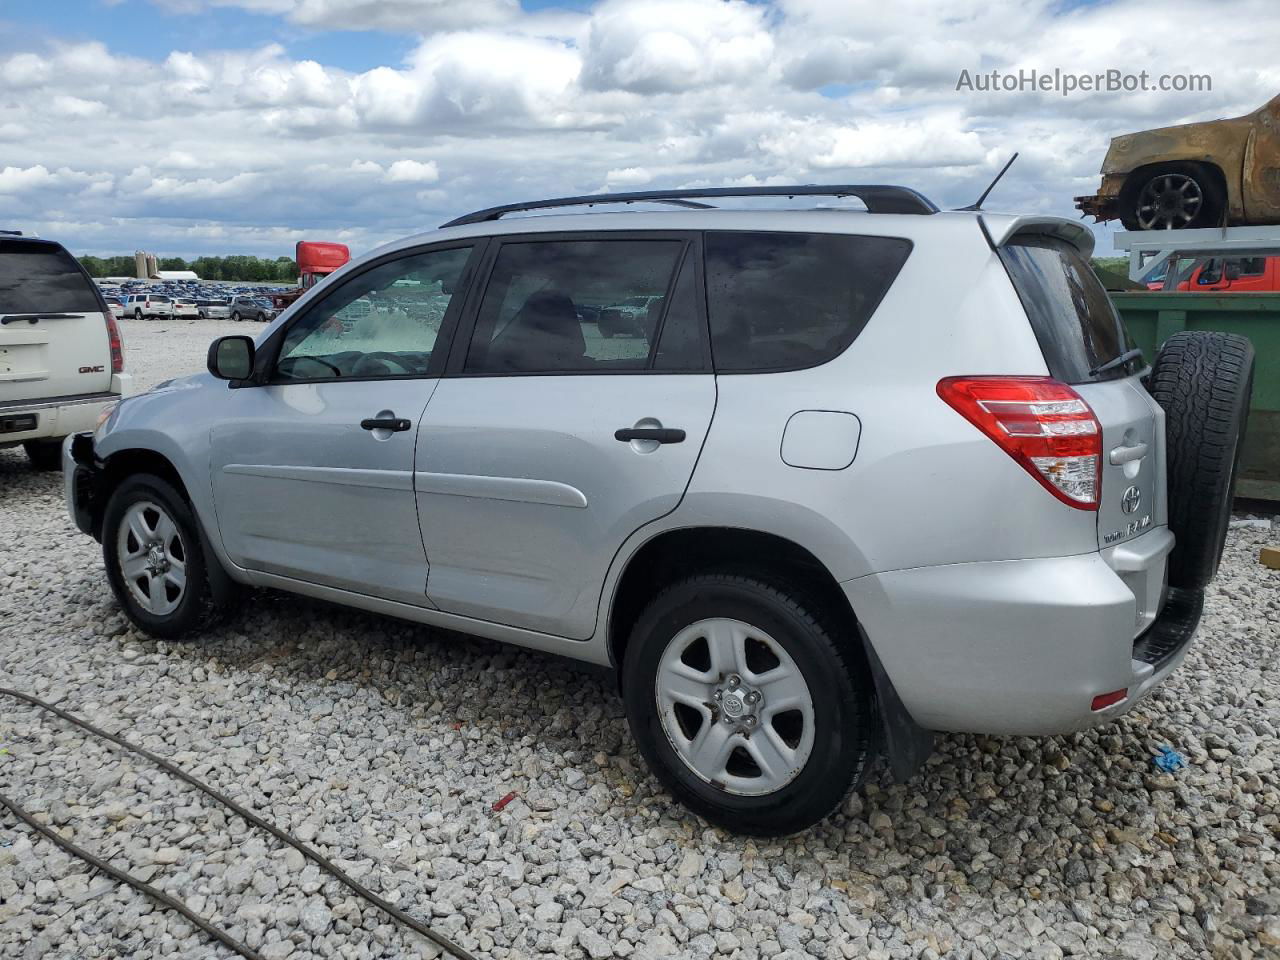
(137, 314)
(155, 559)
(1174, 196)
(236, 317)
(745, 704)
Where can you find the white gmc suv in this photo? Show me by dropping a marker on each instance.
(61, 357)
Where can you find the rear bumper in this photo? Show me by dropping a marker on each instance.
(1023, 646)
(1105, 204)
(55, 417)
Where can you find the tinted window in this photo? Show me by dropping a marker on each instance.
(381, 323)
(592, 306)
(40, 277)
(780, 301)
(1070, 312)
(681, 344)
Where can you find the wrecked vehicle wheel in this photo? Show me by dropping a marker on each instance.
(1174, 196)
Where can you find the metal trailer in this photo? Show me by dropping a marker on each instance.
(1154, 316)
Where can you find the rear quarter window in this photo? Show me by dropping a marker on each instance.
(1074, 320)
(41, 277)
(786, 301)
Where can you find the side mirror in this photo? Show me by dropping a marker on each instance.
(231, 358)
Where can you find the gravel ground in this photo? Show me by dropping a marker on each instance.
(386, 744)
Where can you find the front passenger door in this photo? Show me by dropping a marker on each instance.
(313, 471)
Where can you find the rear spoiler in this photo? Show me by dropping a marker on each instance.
(1002, 229)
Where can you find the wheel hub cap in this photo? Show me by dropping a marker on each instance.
(735, 707)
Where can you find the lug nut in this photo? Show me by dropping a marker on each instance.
(749, 721)
(753, 697)
(718, 694)
(734, 680)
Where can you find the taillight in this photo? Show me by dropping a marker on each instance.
(1043, 424)
(117, 343)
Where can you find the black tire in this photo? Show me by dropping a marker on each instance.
(44, 454)
(838, 681)
(236, 316)
(1210, 212)
(137, 314)
(1204, 382)
(197, 609)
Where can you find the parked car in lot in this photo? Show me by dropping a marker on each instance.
(252, 308)
(116, 306)
(184, 307)
(148, 306)
(214, 309)
(862, 476)
(61, 356)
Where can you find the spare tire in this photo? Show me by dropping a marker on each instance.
(1203, 381)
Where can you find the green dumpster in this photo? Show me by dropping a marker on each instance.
(1153, 317)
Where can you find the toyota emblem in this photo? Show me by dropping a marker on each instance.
(1131, 500)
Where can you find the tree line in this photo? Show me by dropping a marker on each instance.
(237, 267)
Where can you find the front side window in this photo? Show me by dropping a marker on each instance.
(783, 301)
(581, 306)
(380, 323)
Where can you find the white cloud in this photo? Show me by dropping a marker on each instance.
(240, 149)
(411, 171)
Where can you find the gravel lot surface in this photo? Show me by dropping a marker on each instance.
(386, 744)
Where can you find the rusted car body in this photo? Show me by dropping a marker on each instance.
(1216, 173)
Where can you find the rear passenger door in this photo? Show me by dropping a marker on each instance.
(547, 443)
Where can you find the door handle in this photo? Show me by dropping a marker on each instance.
(1128, 454)
(394, 424)
(660, 434)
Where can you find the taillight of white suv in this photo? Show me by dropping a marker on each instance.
(1044, 425)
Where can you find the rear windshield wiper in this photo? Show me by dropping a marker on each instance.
(34, 317)
(1120, 361)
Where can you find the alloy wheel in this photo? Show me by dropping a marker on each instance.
(1169, 201)
(735, 707)
(153, 557)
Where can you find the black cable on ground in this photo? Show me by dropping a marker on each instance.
(153, 892)
(361, 891)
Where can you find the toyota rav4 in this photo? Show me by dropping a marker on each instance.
(855, 477)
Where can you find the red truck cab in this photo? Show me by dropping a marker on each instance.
(316, 259)
(1259, 274)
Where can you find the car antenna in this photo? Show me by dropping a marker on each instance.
(977, 204)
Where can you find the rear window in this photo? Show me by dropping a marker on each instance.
(38, 277)
(785, 301)
(1074, 320)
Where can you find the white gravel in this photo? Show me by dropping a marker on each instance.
(386, 744)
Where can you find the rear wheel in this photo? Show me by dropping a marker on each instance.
(745, 705)
(1204, 382)
(44, 454)
(156, 559)
(137, 314)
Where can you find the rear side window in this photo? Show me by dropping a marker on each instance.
(1072, 316)
(40, 277)
(784, 301)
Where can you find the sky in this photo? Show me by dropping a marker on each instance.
(190, 127)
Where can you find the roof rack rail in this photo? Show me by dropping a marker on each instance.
(879, 198)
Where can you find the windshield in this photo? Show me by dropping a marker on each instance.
(1074, 320)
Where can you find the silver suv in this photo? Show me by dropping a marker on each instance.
(859, 475)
